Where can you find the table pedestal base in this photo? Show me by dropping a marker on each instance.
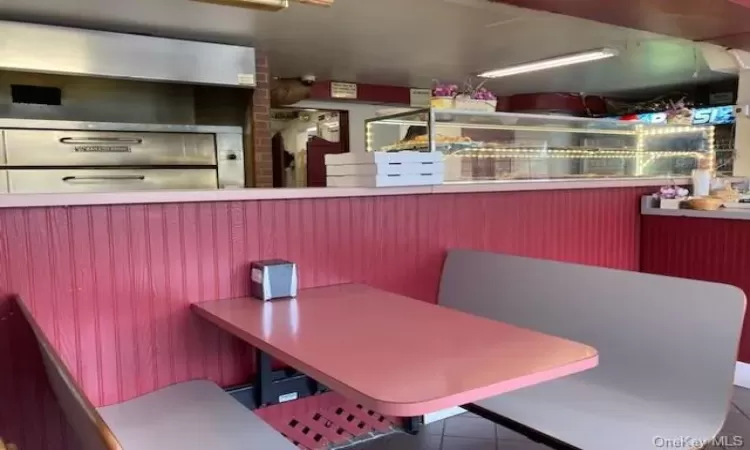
(271, 387)
(412, 425)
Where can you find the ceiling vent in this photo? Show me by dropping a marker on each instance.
(266, 5)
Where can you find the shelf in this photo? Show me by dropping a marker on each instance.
(477, 126)
(570, 154)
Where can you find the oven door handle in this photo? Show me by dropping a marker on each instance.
(100, 140)
(103, 178)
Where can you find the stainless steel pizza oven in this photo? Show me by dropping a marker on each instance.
(90, 116)
(56, 156)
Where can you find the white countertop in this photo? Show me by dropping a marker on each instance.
(141, 197)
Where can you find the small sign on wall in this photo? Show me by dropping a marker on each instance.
(344, 90)
(721, 98)
(246, 79)
(420, 97)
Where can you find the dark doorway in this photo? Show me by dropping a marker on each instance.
(302, 138)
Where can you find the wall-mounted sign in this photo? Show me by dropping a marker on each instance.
(420, 98)
(719, 115)
(246, 79)
(344, 90)
(284, 114)
(721, 98)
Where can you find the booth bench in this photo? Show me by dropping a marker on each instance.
(667, 347)
(195, 415)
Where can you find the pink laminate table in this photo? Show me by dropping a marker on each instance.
(393, 354)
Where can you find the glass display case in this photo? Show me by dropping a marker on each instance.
(482, 146)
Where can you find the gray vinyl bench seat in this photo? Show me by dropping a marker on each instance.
(583, 415)
(667, 350)
(194, 415)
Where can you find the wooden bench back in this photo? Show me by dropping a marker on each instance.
(92, 431)
(668, 339)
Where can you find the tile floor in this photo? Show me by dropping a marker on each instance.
(469, 432)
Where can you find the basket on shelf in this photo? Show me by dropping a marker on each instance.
(705, 203)
(465, 104)
(443, 102)
(470, 104)
(727, 194)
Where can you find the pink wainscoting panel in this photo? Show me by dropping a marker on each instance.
(111, 285)
(702, 249)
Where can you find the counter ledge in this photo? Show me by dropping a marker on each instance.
(143, 197)
(648, 209)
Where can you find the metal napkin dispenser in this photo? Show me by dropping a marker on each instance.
(272, 279)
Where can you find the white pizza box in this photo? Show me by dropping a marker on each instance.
(340, 159)
(385, 180)
(386, 169)
(453, 169)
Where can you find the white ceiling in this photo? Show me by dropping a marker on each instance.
(402, 42)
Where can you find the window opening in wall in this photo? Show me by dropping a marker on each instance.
(301, 139)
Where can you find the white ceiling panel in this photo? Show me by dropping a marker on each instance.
(403, 42)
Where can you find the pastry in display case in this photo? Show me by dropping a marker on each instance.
(482, 146)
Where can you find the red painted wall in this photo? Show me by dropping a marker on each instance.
(111, 285)
(701, 249)
(571, 103)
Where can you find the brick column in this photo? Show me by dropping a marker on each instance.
(259, 166)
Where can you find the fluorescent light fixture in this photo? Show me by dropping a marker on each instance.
(551, 63)
(263, 5)
(267, 5)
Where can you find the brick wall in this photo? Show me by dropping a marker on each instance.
(260, 162)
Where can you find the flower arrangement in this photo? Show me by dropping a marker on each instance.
(671, 193)
(679, 114)
(445, 90)
(470, 97)
(671, 196)
(468, 91)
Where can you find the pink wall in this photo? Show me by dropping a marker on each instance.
(111, 285)
(702, 249)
